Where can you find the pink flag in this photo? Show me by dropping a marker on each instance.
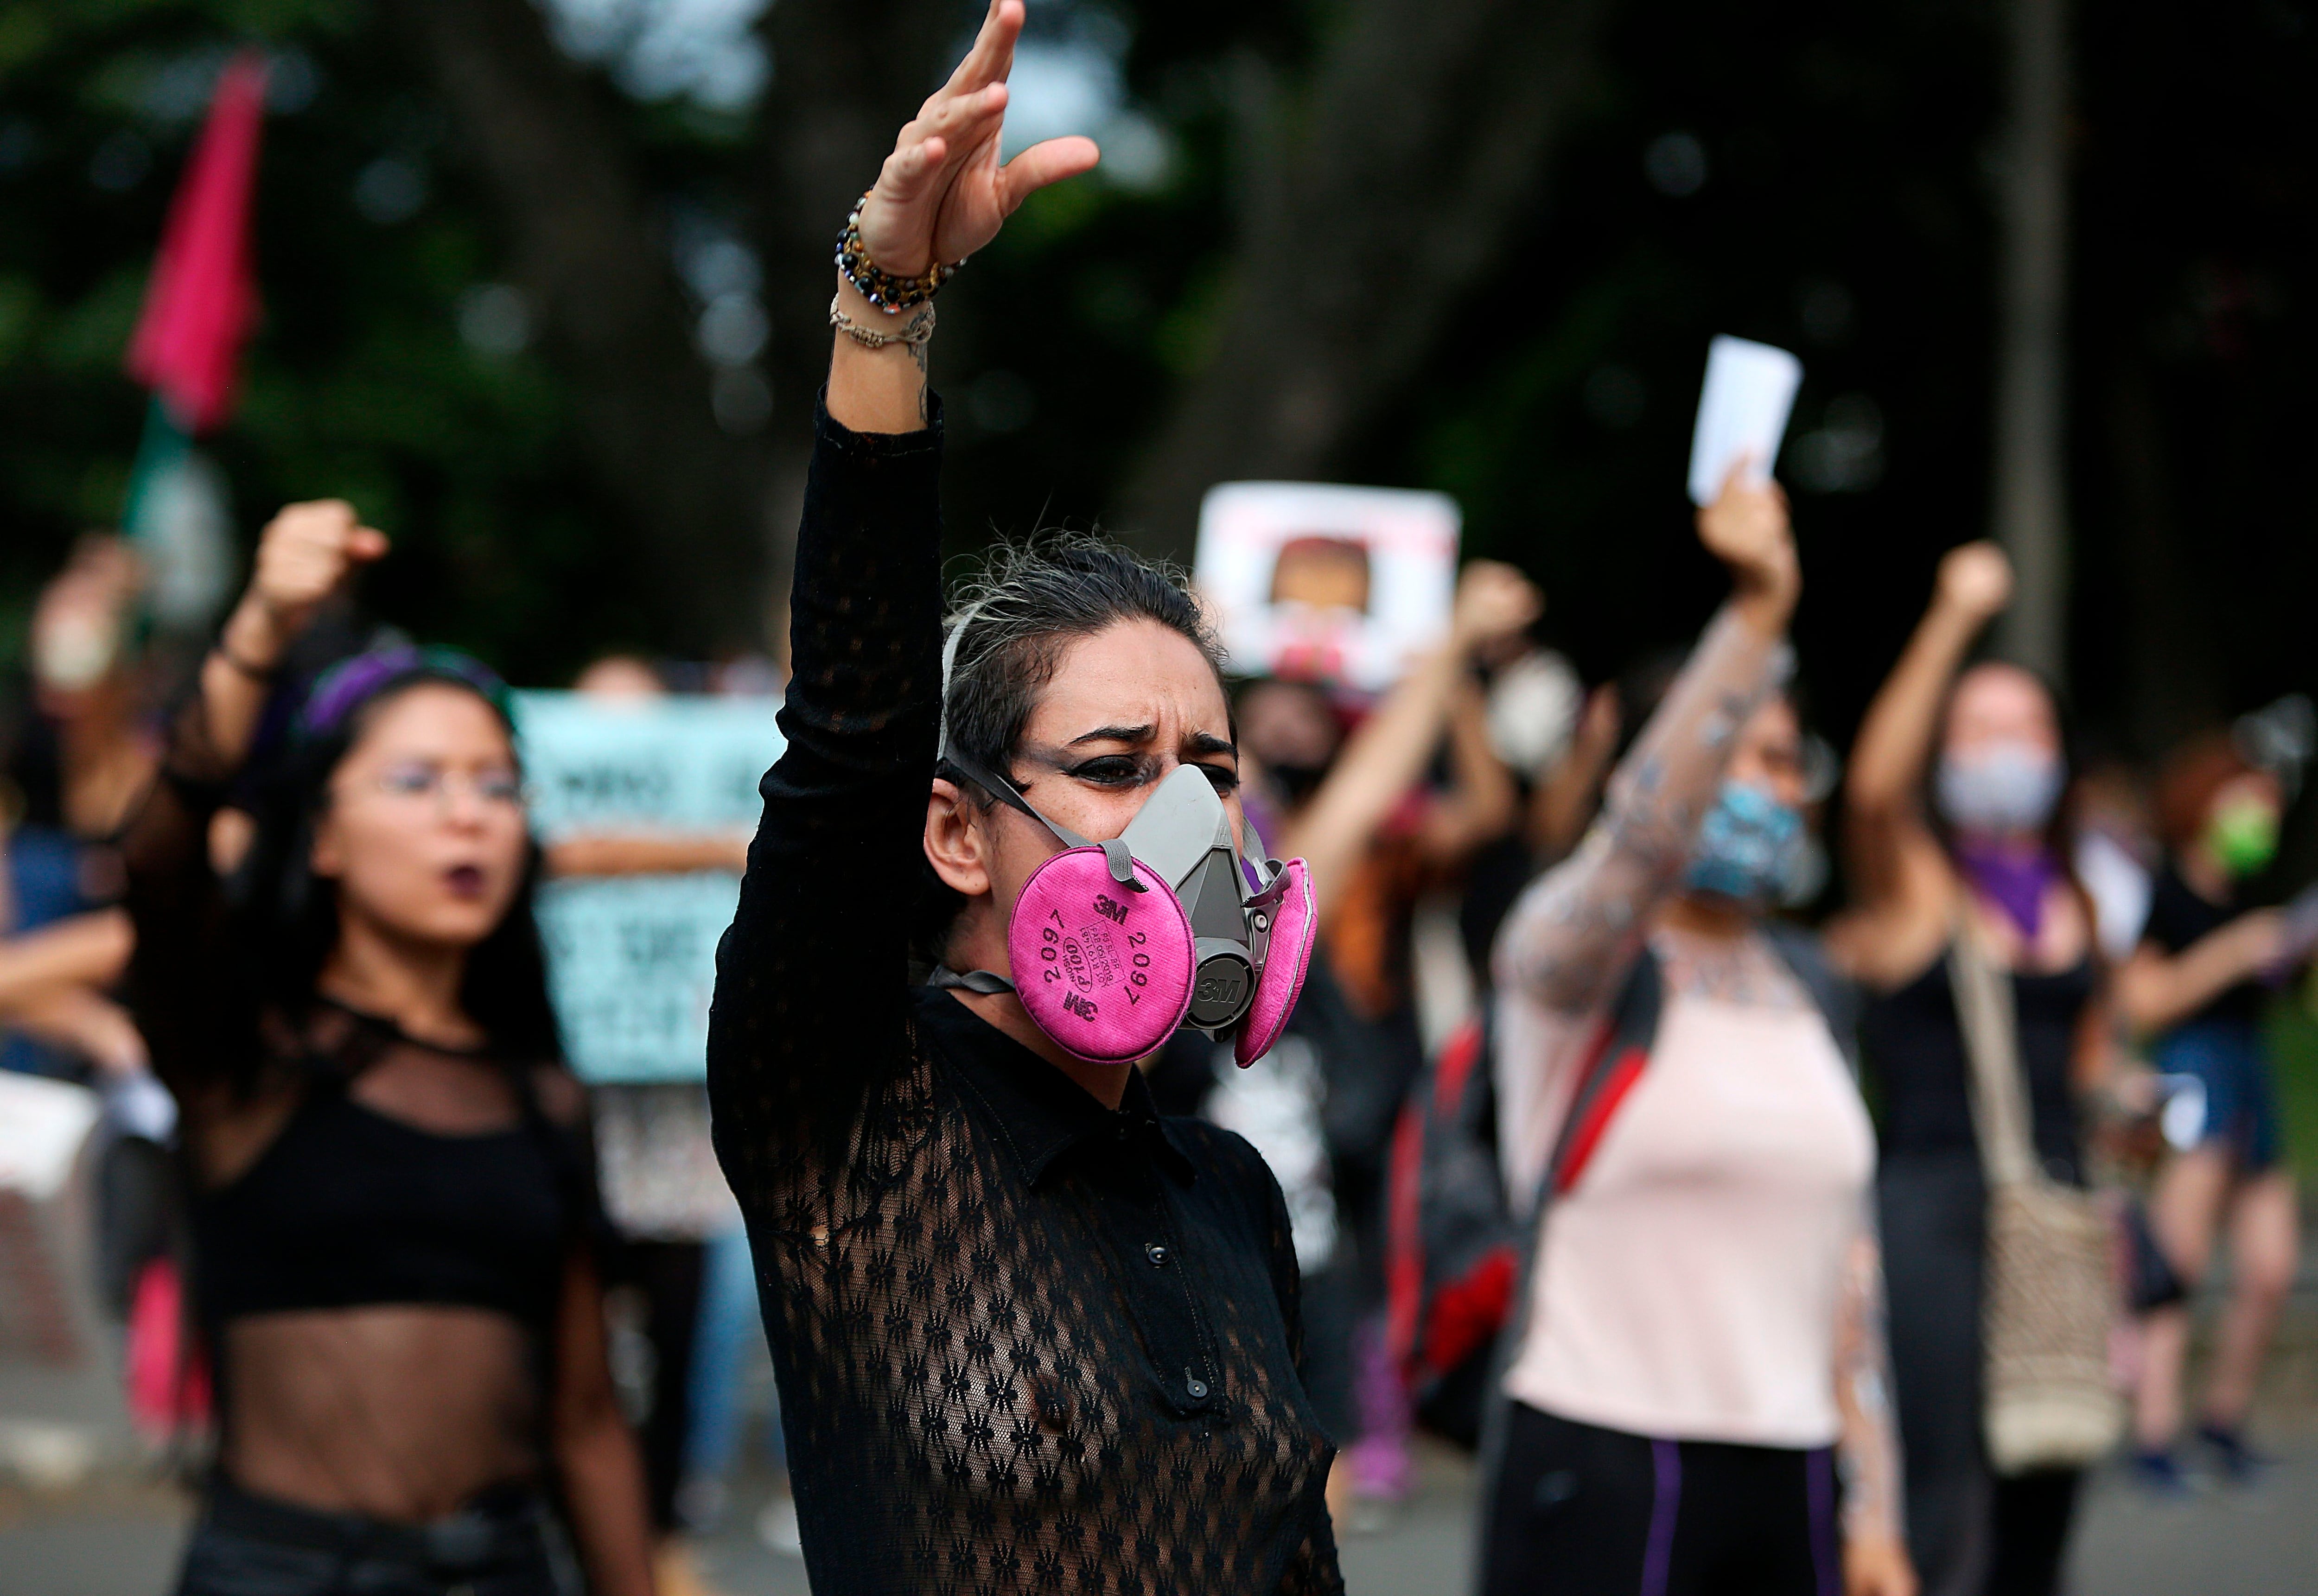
(203, 298)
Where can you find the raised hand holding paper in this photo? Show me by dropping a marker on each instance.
(1742, 412)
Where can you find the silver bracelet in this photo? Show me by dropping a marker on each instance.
(917, 331)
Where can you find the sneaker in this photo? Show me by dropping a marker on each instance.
(2240, 1463)
(2157, 1472)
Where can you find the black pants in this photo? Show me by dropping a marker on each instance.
(1970, 1532)
(254, 1545)
(668, 1275)
(1578, 1510)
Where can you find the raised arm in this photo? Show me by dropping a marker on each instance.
(179, 981)
(2156, 990)
(1897, 876)
(811, 976)
(1385, 758)
(1574, 933)
(1483, 803)
(941, 195)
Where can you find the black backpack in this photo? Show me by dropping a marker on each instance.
(1456, 1250)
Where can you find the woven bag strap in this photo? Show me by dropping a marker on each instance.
(1991, 1045)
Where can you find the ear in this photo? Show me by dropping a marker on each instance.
(326, 859)
(957, 843)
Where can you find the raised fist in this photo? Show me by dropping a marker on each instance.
(307, 553)
(1975, 579)
(1494, 601)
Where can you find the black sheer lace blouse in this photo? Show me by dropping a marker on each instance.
(1024, 1342)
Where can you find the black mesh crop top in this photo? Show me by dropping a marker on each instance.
(348, 1206)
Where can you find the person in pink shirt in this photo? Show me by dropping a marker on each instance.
(1697, 1355)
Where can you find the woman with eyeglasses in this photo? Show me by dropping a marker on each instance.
(394, 1215)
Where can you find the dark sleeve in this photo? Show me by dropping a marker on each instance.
(187, 991)
(812, 977)
(2174, 923)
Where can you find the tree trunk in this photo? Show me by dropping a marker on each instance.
(846, 76)
(2031, 509)
(2172, 688)
(1368, 212)
(547, 139)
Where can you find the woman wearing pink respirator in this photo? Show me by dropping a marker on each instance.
(1028, 1334)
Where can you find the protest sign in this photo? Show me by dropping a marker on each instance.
(632, 959)
(1326, 583)
(1742, 413)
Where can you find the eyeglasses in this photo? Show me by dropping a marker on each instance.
(493, 789)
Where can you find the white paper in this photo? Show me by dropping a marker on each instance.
(1742, 413)
(1385, 557)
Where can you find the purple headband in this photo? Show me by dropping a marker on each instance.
(355, 681)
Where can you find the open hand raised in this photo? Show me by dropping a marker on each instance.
(942, 194)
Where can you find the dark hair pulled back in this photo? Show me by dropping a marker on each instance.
(1029, 602)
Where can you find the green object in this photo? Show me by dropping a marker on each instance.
(2243, 835)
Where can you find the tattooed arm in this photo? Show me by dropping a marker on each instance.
(1573, 935)
(1874, 1544)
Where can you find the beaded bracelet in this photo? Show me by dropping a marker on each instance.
(882, 288)
(915, 332)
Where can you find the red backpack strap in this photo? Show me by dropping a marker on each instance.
(1613, 1062)
(1405, 1184)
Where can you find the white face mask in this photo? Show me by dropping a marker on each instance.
(2008, 786)
(74, 651)
(1533, 706)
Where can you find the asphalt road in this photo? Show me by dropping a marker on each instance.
(120, 1538)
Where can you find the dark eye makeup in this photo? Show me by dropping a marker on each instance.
(1130, 770)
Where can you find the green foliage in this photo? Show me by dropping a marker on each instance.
(1832, 196)
(2294, 1051)
(358, 382)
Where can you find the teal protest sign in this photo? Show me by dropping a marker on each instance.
(630, 959)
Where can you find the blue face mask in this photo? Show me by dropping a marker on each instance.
(1748, 846)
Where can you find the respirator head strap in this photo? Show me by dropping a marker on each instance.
(1114, 852)
(988, 983)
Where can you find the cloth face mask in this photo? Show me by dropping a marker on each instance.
(2243, 835)
(2004, 787)
(1748, 846)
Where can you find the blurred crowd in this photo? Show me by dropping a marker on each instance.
(1489, 842)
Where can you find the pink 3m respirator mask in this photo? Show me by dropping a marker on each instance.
(1116, 945)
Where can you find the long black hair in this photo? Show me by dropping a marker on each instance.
(285, 918)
